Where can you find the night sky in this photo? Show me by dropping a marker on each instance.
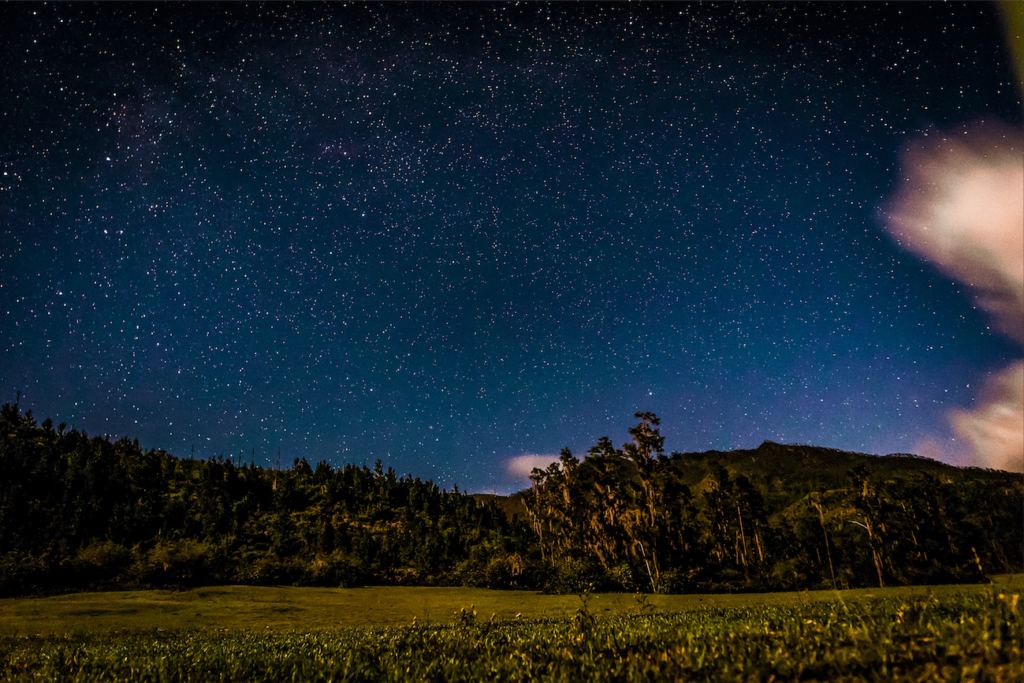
(450, 236)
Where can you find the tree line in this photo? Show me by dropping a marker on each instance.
(634, 518)
(80, 512)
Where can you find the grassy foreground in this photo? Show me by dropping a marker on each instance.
(939, 634)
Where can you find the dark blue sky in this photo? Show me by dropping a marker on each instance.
(449, 236)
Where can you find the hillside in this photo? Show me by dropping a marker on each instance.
(816, 468)
(794, 469)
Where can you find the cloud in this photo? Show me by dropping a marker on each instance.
(996, 427)
(961, 206)
(522, 466)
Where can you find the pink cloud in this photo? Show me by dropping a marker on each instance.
(522, 466)
(996, 427)
(961, 207)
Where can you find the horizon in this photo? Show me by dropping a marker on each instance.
(540, 463)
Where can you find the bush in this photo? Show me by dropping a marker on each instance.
(335, 570)
(723, 581)
(97, 564)
(674, 581)
(574, 575)
(262, 569)
(787, 575)
(179, 563)
(22, 574)
(625, 579)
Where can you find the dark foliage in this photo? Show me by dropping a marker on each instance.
(774, 518)
(80, 512)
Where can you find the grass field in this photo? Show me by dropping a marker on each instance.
(248, 607)
(937, 633)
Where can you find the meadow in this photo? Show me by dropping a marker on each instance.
(935, 633)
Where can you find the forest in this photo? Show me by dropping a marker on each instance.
(80, 512)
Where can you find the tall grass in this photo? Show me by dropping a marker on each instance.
(969, 637)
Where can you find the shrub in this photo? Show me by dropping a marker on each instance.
(335, 570)
(97, 564)
(625, 579)
(186, 563)
(574, 575)
(22, 574)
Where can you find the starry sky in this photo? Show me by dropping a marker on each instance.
(452, 236)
